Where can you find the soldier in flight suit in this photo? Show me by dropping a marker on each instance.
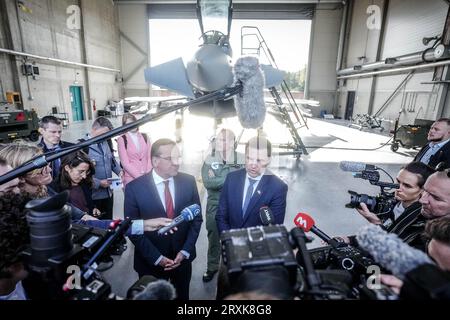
(222, 160)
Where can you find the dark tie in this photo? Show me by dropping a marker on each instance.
(168, 198)
(56, 164)
(248, 195)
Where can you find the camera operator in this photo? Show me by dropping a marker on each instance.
(438, 231)
(13, 238)
(408, 223)
(36, 185)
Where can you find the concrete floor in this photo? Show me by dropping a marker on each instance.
(316, 184)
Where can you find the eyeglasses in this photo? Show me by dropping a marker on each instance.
(172, 159)
(41, 171)
(81, 172)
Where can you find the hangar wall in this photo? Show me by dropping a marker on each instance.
(407, 23)
(42, 28)
(321, 79)
(134, 41)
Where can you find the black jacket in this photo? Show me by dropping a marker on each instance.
(409, 227)
(443, 155)
(142, 202)
(62, 145)
(87, 191)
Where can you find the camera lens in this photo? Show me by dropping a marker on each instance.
(49, 220)
(356, 199)
(347, 264)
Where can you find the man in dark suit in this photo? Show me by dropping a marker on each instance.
(438, 148)
(164, 192)
(245, 191)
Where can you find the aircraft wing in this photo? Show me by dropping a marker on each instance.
(170, 75)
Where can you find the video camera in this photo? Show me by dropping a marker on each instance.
(380, 204)
(63, 258)
(262, 259)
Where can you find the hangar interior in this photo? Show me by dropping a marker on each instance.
(387, 59)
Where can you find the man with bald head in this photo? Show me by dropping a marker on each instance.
(435, 198)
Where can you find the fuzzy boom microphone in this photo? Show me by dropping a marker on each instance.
(390, 251)
(249, 104)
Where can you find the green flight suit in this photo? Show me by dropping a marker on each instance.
(214, 172)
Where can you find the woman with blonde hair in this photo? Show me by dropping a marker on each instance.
(33, 182)
(134, 151)
(36, 183)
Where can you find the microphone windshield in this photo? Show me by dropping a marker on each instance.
(249, 104)
(352, 166)
(190, 212)
(157, 290)
(390, 251)
(304, 221)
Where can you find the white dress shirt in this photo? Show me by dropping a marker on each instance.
(17, 294)
(398, 210)
(432, 150)
(160, 186)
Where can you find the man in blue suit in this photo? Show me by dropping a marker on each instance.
(164, 193)
(245, 191)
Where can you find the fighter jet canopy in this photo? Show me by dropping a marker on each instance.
(214, 15)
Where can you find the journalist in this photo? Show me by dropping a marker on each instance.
(10, 186)
(75, 176)
(13, 239)
(102, 155)
(37, 185)
(408, 223)
(438, 233)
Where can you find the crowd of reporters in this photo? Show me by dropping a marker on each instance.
(419, 216)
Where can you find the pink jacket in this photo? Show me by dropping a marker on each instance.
(134, 163)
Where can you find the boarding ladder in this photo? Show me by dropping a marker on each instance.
(290, 113)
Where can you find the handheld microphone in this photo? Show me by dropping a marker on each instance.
(266, 216)
(187, 214)
(356, 166)
(307, 224)
(390, 251)
(347, 257)
(249, 104)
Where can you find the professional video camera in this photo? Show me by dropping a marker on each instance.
(64, 256)
(380, 204)
(261, 259)
(340, 256)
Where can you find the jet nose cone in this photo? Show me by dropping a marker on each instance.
(210, 69)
